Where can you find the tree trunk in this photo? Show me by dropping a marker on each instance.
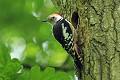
(98, 24)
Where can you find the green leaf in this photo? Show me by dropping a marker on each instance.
(24, 76)
(59, 76)
(50, 74)
(35, 73)
(4, 56)
(8, 68)
(11, 69)
(7, 78)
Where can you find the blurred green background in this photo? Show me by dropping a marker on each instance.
(29, 39)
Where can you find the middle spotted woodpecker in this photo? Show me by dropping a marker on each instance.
(66, 35)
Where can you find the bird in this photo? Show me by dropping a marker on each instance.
(65, 33)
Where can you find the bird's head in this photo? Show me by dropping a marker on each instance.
(53, 18)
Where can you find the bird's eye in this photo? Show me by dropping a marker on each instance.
(53, 17)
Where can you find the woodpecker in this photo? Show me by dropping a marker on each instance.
(66, 35)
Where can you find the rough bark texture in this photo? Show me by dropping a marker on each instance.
(99, 35)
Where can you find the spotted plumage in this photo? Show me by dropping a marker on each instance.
(66, 35)
(63, 34)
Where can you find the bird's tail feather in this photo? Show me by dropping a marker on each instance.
(78, 66)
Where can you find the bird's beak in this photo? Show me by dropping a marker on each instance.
(45, 21)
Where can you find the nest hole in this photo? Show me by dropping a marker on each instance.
(75, 19)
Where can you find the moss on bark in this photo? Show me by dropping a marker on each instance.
(99, 35)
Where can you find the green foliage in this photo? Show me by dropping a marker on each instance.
(48, 74)
(11, 69)
(8, 67)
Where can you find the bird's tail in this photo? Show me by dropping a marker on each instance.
(78, 62)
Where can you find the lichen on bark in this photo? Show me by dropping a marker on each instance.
(99, 33)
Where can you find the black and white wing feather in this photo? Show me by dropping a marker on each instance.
(64, 34)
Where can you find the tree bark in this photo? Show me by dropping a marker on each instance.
(98, 23)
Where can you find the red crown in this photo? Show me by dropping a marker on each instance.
(56, 14)
(59, 14)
